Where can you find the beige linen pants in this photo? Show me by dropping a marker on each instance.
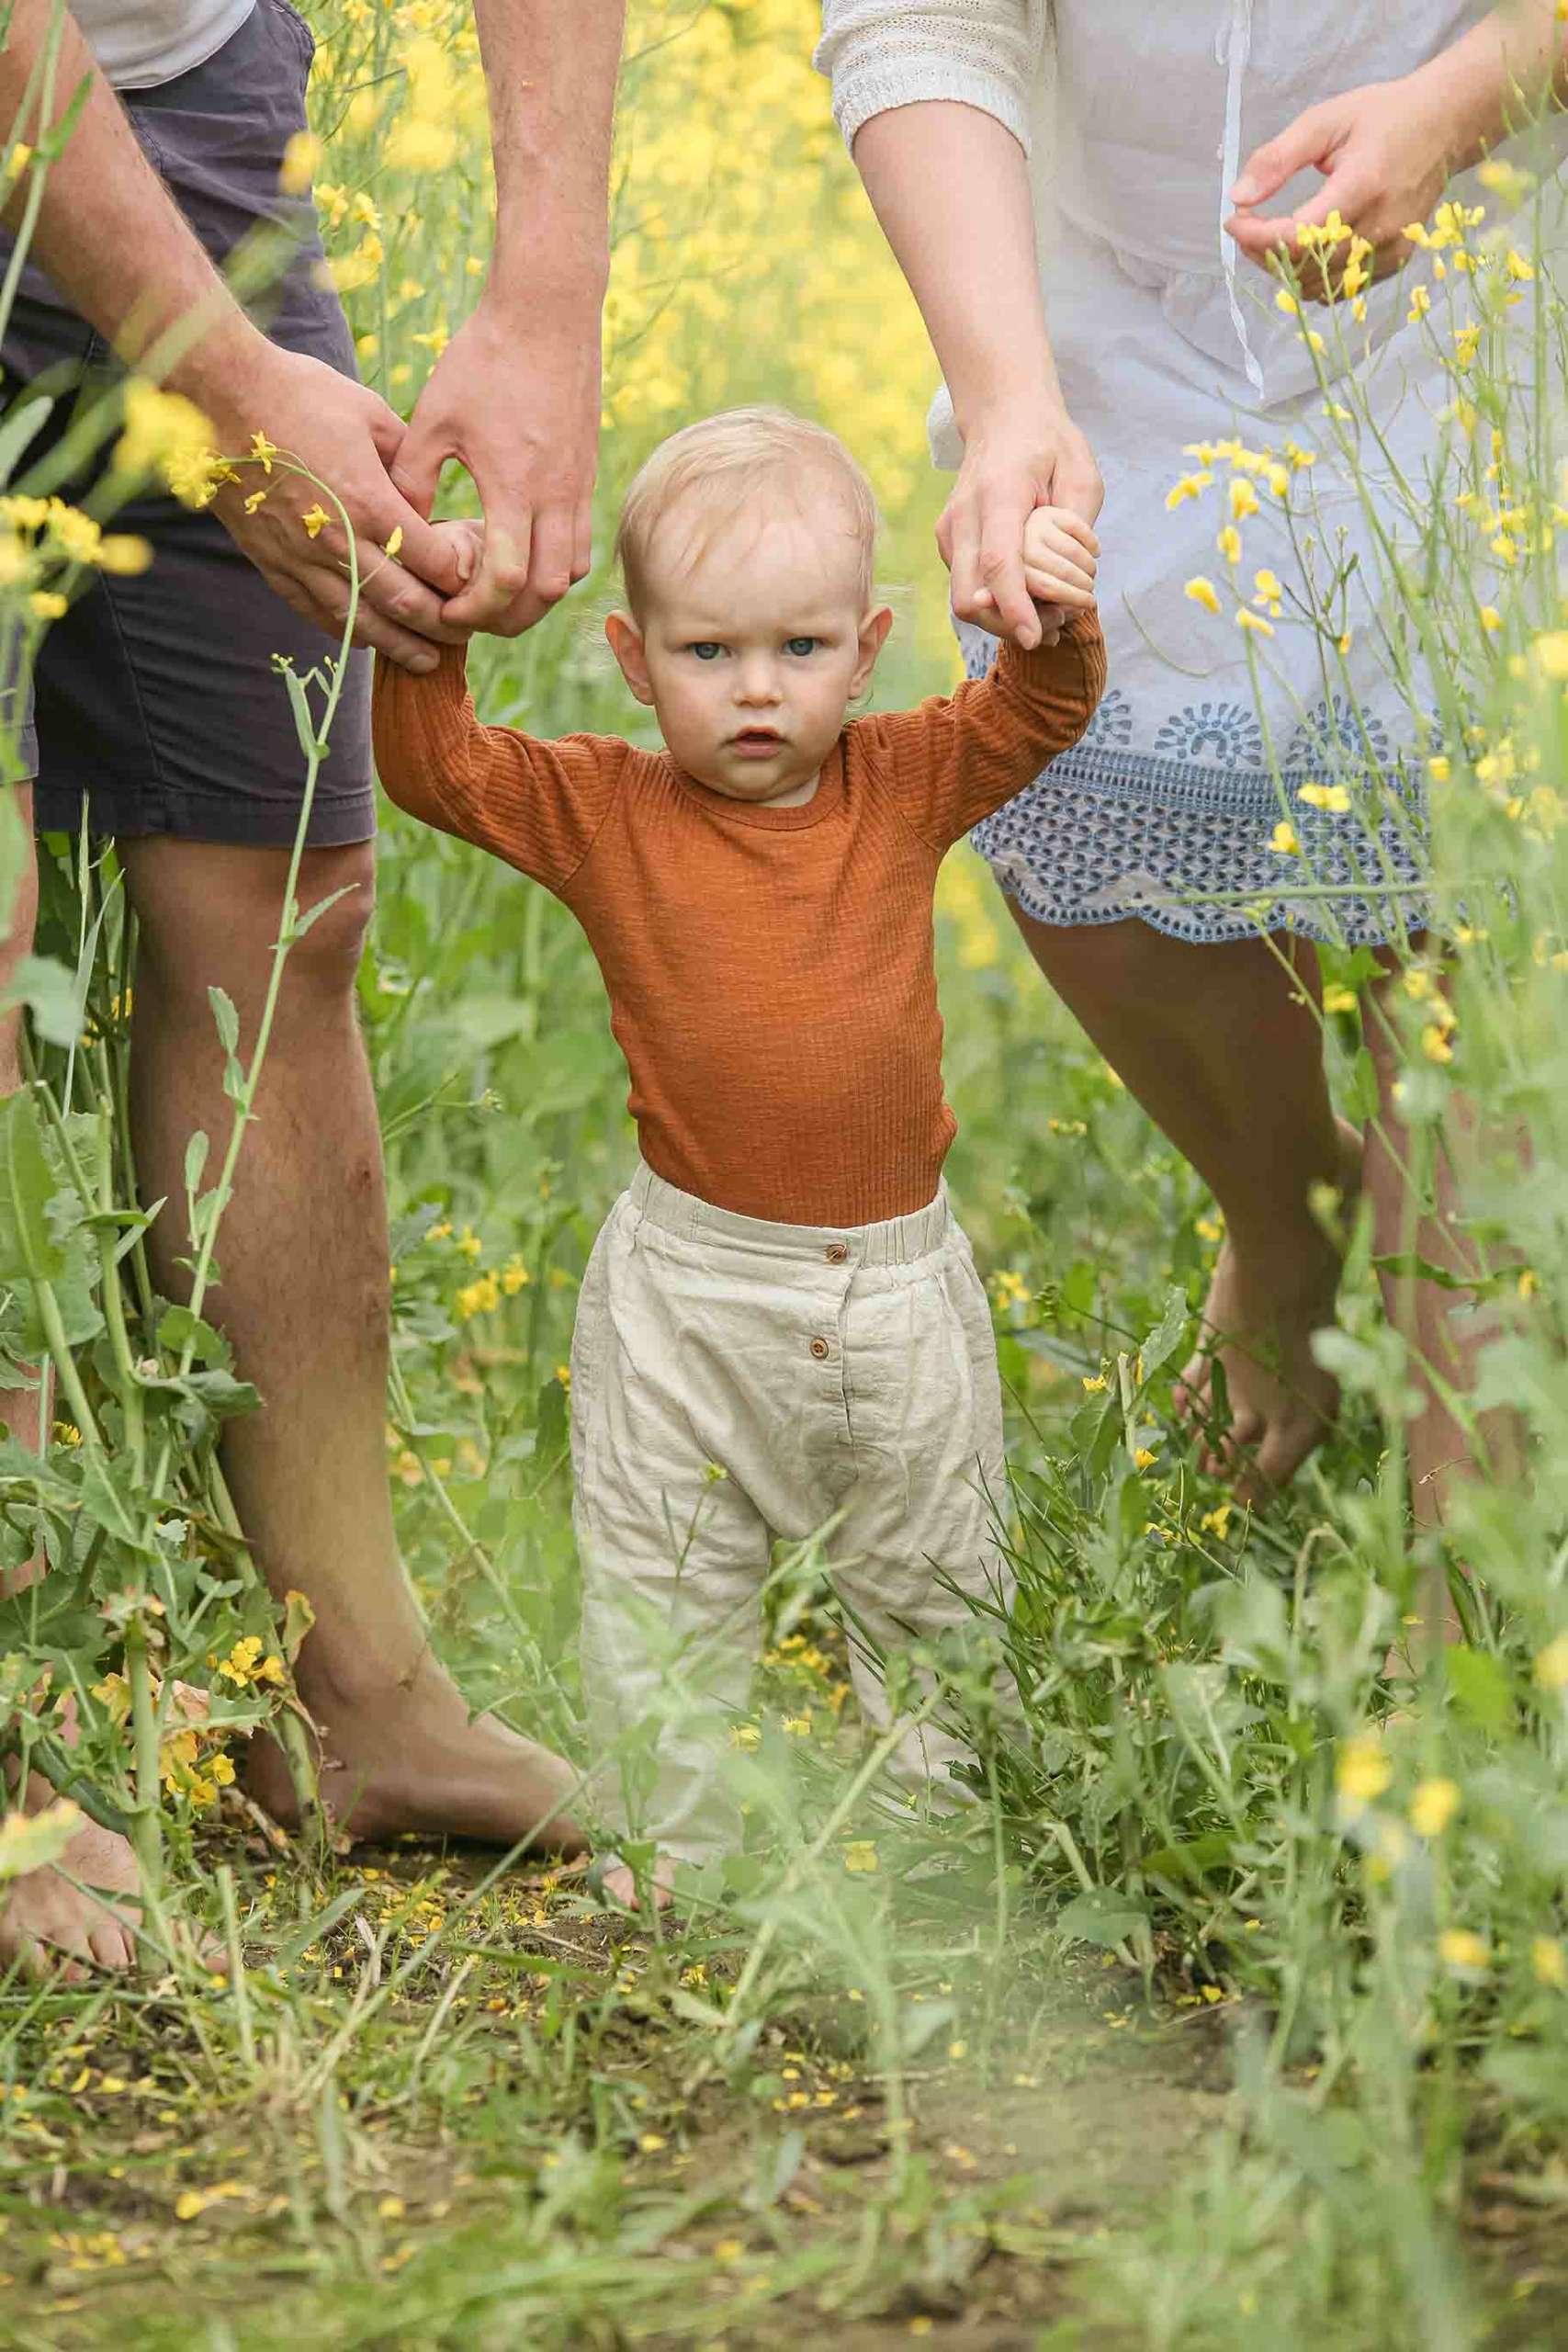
(822, 1372)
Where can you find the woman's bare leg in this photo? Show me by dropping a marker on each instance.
(1445, 1330)
(1223, 1047)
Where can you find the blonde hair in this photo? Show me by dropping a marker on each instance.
(724, 459)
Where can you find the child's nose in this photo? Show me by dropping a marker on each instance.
(757, 682)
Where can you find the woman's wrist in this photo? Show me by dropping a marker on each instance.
(1487, 84)
(1027, 406)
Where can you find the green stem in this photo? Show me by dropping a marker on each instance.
(147, 1822)
(114, 1309)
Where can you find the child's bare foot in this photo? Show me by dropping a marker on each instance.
(619, 1885)
(1259, 1320)
(47, 1923)
(403, 1753)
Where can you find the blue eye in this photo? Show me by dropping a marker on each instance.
(706, 649)
(801, 646)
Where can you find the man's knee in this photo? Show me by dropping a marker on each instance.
(337, 898)
(210, 917)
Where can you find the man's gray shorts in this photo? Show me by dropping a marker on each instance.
(156, 699)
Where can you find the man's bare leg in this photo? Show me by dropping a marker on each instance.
(44, 1913)
(304, 1299)
(1223, 1048)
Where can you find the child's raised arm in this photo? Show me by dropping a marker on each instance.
(961, 755)
(536, 804)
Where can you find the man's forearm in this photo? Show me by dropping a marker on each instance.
(1499, 75)
(551, 69)
(108, 234)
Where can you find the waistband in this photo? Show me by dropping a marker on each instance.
(894, 1241)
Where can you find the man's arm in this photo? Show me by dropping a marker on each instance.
(516, 396)
(112, 241)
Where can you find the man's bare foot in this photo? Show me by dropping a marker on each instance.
(619, 1886)
(1258, 1321)
(48, 1923)
(406, 1755)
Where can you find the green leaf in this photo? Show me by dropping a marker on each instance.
(1363, 1095)
(55, 140)
(22, 427)
(551, 1419)
(52, 995)
(29, 1841)
(303, 922)
(304, 725)
(1191, 1860)
(1414, 1267)
(177, 1324)
(28, 1250)
(1099, 1916)
(227, 1019)
(1480, 1685)
(196, 1160)
(1166, 1336)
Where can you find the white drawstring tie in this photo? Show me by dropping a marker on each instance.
(1233, 48)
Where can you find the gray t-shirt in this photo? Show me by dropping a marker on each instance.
(139, 43)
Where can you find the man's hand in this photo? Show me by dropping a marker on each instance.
(1383, 155)
(516, 401)
(1010, 469)
(350, 438)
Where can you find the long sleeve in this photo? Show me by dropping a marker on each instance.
(962, 755)
(886, 53)
(538, 805)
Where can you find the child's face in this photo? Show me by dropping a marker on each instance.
(752, 643)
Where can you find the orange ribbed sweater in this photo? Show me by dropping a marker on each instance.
(771, 971)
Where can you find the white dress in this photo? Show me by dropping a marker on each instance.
(1137, 115)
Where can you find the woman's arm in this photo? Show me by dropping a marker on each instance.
(950, 185)
(1388, 150)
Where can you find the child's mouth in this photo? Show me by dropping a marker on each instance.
(757, 741)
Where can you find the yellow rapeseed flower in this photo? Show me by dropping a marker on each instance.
(1338, 999)
(1254, 621)
(1549, 1963)
(1331, 798)
(1284, 839)
(1203, 591)
(1461, 1948)
(1361, 1769)
(301, 156)
(1432, 1806)
(1551, 1665)
(1243, 499)
(315, 520)
(860, 1855)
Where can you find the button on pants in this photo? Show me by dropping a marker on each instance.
(821, 1373)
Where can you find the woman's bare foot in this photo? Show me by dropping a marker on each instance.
(1262, 1310)
(47, 1922)
(400, 1755)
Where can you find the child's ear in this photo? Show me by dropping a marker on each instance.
(625, 644)
(872, 638)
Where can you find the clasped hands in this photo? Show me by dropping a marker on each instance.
(519, 408)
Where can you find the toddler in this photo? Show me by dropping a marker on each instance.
(782, 1293)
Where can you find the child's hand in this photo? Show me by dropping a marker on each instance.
(467, 538)
(1061, 556)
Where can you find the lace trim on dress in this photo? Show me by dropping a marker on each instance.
(1180, 837)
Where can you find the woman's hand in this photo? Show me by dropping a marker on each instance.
(1384, 151)
(1010, 466)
